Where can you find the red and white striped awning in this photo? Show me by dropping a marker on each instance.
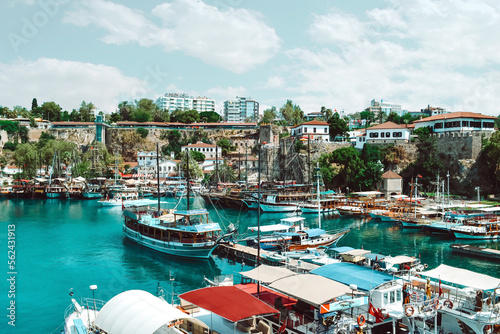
(142, 175)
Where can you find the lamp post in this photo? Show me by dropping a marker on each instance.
(353, 288)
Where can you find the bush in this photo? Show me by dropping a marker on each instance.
(10, 146)
(143, 132)
(299, 145)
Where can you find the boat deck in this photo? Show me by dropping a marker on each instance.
(241, 253)
(491, 254)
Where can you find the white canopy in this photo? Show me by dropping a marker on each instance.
(79, 179)
(356, 252)
(270, 228)
(313, 289)
(267, 274)
(137, 312)
(398, 259)
(463, 277)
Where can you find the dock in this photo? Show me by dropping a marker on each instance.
(248, 255)
(491, 254)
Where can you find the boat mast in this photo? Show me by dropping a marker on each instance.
(448, 177)
(187, 175)
(258, 223)
(319, 206)
(246, 164)
(158, 174)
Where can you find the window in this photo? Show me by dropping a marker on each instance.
(314, 130)
(386, 298)
(387, 134)
(382, 135)
(438, 126)
(325, 130)
(305, 130)
(465, 124)
(393, 296)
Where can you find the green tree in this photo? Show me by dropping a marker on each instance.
(368, 115)
(143, 132)
(428, 163)
(145, 109)
(187, 116)
(51, 111)
(490, 159)
(25, 157)
(195, 171)
(326, 114)
(34, 104)
(224, 173)
(337, 126)
(225, 146)
(9, 126)
(86, 112)
(292, 113)
(198, 156)
(210, 117)
(115, 117)
(175, 142)
(21, 111)
(23, 134)
(126, 109)
(269, 116)
(44, 138)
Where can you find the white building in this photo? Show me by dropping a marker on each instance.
(458, 122)
(146, 162)
(314, 130)
(240, 109)
(174, 101)
(385, 133)
(207, 149)
(167, 167)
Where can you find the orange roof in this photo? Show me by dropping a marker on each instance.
(313, 122)
(458, 114)
(391, 175)
(199, 144)
(387, 125)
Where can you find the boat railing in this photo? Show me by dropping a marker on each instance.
(85, 303)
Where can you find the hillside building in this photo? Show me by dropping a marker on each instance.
(313, 130)
(174, 101)
(240, 109)
(460, 121)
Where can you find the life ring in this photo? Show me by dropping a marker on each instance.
(486, 329)
(436, 303)
(409, 310)
(415, 296)
(448, 303)
(361, 320)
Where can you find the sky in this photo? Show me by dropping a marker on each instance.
(337, 54)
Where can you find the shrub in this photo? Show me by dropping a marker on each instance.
(143, 132)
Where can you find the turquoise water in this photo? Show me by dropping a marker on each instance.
(63, 244)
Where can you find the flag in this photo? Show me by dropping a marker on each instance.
(440, 289)
(419, 175)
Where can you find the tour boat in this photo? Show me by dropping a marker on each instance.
(181, 233)
(133, 311)
(122, 198)
(479, 229)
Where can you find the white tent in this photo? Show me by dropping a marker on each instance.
(313, 289)
(463, 277)
(79, 179)
(138, 312)
(267, 274)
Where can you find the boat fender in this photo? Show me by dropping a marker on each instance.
(409, 310)
(448, 303)
(488, 301)
(426, 265)
(361, 320)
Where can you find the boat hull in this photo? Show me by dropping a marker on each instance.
(279, 208)
(460, 235)
(55, 195)
(91, 195)
(191, 250)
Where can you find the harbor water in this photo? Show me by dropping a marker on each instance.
(57, 245)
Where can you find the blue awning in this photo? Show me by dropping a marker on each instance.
(314, 232)
(365, 278)
(341, 249)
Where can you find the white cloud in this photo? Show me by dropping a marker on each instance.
(274, 81)
(67, 83)
(442, 53)
(235, 39)
(221, 94)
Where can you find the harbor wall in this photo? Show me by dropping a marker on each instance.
(457, 145)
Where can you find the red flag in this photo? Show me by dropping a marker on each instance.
(419, 175)
(440, 289)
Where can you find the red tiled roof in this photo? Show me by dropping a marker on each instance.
(458, 114)
(313, 122)
(199, 144)
(391, 175)
(73, 123)
(387, 125)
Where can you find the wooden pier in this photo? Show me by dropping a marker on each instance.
(491, 254)
(248, 255)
